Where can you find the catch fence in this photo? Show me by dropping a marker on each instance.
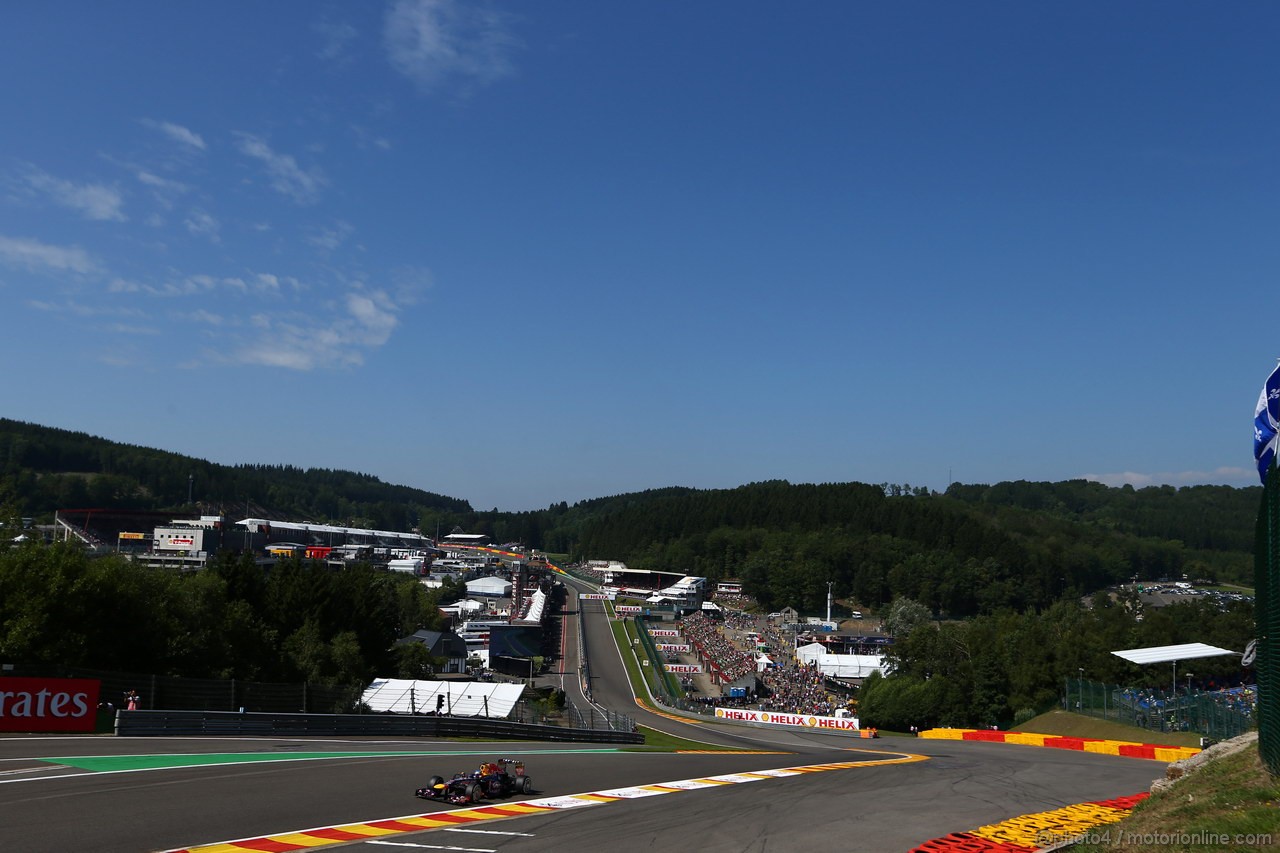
(1215, 714)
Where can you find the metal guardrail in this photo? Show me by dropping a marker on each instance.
(193, 723)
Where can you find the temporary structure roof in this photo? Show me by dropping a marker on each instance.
(839, 666)
(1165, 654)
(461, 698)
(491, 586)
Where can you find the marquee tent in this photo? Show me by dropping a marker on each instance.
(839, 666)
(490, 587)
(461, 698)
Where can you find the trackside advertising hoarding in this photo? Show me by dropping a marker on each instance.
(684, 668)
(777, 718)
(48, 704)
(673, 647)
(663, 632)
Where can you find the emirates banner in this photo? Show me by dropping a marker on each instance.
(48, 704)
(777, 718)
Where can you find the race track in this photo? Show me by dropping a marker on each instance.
(57, 794)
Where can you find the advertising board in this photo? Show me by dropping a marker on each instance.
(778, 718)
(685, 668)
(48, 704)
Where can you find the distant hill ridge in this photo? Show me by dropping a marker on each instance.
(45, 469)
(972, 549)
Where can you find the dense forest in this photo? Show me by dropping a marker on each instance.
(1005, 667)
(299, 622)
(974, 549)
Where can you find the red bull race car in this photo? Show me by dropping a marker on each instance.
(499, 778)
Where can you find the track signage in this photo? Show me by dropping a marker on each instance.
(685, 668)
(48, 704)
(804, 721)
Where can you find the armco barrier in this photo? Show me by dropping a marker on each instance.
(192, 723)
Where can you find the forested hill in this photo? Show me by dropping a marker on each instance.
(1201, 517)
(975, 549)
(44, 469)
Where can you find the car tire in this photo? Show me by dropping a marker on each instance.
(475, 792)
(526, 785)
(433, 781)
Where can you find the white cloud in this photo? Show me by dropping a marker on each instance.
(81, 309)
(287, 177)
(411, 283)
(202, 316)
(331, 238)
(367, 321)
(129, 329)
(95, 201)
(1224, 475)
(176, 132)
(202, 224)
(432, 41)
(366, 138)
(158, 183)
(36, 256)
(334, 38)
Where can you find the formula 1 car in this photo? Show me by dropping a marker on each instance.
(494, 779)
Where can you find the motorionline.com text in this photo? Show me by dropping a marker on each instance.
(1105, 837)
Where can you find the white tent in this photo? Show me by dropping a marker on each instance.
(763, 662)
(839, 666)
(492, 587)
(463, 607)
(461, 698)
(537, 607)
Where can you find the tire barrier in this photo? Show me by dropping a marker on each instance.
(1031, 832)
(1124, 749)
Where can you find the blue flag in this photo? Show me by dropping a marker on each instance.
(1266, 424)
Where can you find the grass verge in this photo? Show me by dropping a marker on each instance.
(1229, 803)
(1067, 724)
(656, 741)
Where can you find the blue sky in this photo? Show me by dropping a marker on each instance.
(525, 252)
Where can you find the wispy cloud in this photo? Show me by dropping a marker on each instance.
(202, 224)
(331, 238)
(335, 37)
(365, 321)
(164, 189)
(366, 138)
(434, 41)
(1225, 475)
(200, 284)
(287, 177)
(94, 201)
(177, 133)
(33, 255)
